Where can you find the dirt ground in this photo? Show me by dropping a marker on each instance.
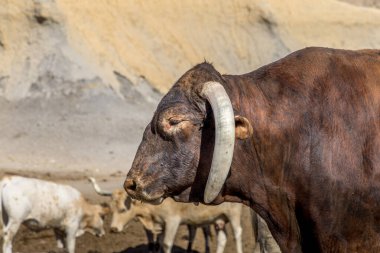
(132, 240)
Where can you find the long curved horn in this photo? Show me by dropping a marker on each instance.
(97, 188)
(221, 106)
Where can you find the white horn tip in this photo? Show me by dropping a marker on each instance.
(210, 196)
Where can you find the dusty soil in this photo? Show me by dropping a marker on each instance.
(132, 240)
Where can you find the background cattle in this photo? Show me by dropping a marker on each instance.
(120, 203)
(167, 216)
(40, 204)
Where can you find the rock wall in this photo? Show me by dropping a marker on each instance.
(79, 79)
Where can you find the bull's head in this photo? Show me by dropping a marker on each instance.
(189, 141)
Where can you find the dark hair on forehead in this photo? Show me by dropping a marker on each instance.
(187, 88)
(205, 65)
(206, 69)
(192, 81)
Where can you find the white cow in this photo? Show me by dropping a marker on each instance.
(166, 217)
(41, 205)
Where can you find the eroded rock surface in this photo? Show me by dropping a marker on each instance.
(79, 79)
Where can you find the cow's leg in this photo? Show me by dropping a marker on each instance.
(207, 234)
(237, 229)
(1, 222)
(159, 241)
(70, 239)
(10, 231)
(171, 226)
(192, 230)
(60, 238)
(221, 236)
(255, 221)
(151, 242)
(266, 240)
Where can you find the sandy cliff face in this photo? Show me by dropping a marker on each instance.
(92, 40)
(75, 76)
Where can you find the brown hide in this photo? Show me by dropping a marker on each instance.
(311, 168)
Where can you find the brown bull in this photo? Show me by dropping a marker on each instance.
(306, 155)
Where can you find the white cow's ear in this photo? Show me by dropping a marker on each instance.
(243, 129)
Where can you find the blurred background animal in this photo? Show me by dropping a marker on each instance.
(40, 205)
(167, 216)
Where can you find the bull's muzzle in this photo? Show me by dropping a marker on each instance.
(130, 187)
(138, 190)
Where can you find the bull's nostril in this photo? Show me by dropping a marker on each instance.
(130, 184)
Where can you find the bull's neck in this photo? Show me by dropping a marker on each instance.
(266, 151)
(259, 170)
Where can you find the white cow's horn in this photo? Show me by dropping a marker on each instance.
(221, 106)
(98, 189)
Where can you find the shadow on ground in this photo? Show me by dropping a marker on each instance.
(143, 248)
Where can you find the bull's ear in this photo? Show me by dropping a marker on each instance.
(243, 128)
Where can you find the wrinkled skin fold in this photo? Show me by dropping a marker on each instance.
(307, 151)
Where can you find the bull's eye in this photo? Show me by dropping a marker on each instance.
(173, 121)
